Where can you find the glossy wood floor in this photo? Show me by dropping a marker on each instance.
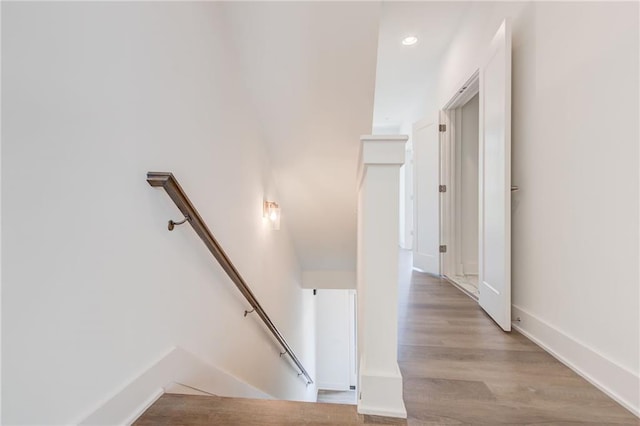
(458, 368)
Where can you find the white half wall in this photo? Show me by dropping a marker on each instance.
(379, 377)
(575, 139)
(94, 287)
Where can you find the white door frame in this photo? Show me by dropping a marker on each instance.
(448, 173)
(495, 296)
(353, 339)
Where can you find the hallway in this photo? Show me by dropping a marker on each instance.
(459, 367)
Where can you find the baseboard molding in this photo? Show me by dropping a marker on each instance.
(380, 394)
(144, 407)
(425, 262)
(177, 365)
(619, 383)
(459, 287)
(333, 386)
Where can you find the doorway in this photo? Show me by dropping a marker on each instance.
(445, 171)
(336, 352)
(462, 247)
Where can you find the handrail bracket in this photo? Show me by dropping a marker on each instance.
(172, 224)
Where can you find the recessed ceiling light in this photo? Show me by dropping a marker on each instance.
(411, 40)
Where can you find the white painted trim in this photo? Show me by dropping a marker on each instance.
(447, 199)
(128, 402)
(618, 382)
(422, 261)
(182, 389)
(353, 338)
(144, 407)
(364, 409)
(380, 150)
(455, 145)
(465, 91)
(333, 386)
(380, 393)
(450, 174)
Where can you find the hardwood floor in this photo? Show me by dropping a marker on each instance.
(458, 366)
(194, 410)
(338, 397)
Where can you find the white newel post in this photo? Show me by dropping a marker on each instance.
(379, 377)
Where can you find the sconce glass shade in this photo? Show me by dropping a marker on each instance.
(271, 212)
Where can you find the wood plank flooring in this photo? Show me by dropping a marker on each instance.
(194, 410)
(337, 397)
(458, 368)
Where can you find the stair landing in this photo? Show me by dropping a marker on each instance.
(195, 410)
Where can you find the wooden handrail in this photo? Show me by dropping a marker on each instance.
(191, 215)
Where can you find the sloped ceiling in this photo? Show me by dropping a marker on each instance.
(310, 72)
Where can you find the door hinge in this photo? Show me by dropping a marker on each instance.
(443, 188)
(443, 249)
(442, 127)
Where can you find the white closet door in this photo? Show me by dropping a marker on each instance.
(495, 180)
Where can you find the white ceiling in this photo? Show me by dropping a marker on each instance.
(406, 74)
(310, 70)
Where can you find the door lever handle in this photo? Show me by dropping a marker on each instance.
(515, 188)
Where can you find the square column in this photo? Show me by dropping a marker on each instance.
(379, 377)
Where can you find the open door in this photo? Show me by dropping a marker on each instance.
(426, 166)
(494, 195)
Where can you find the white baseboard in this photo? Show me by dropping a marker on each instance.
(619, 383)
(333, 386)
(144, 407)
(381, 394)
(425, 262)
(177, 365)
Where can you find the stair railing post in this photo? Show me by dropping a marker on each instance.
(379, 377)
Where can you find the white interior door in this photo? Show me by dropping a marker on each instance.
(333, 347)
(426, 166)
(494, 195)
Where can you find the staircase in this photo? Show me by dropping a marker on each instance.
(195, 410)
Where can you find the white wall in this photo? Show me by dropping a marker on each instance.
(333, 339)
(575, 158)
(329, 279)
(94, 286)
(469, 186)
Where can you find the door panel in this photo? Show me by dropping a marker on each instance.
(333, 347)
(495, 180)
(426, 151)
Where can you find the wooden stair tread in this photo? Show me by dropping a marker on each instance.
(175, 409)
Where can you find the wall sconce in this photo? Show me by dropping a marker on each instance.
(271, 212)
